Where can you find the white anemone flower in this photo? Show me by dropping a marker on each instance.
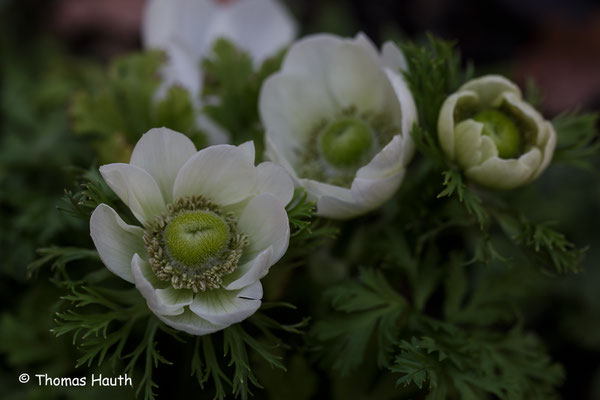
(338, 117)
(498, 139)
(187, 30)
(212, 224)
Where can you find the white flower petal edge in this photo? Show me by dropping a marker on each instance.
(136, 187)
(223, 174)
(115, 241)
(162, 152)
(226, 307)
(332, 75)
(260, 27)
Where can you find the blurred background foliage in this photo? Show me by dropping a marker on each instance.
(51, 52)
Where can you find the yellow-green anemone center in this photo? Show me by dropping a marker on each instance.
(194, 244)
(192, 238)
(502, 130)
(347, 143)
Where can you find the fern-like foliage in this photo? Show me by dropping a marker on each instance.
(369, 308)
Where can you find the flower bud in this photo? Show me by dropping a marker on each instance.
(498, 139)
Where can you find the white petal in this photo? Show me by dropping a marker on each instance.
(291, 107)
(136, 187)
(333, 207)
(115, 241)
(372, 193)
(261, 27)
(158, 294)
(308, 56)
(274, 179)
(316, 189)
(500, 173)
(490, 89)
(188, 21)
(468, 140)
(387, 162)
(162, 152)
(221, 173)
(250, 272)
(393, 57)
(215, 134)
(181, 69)
(265, 222)
(247, 148)
(367, 44)
(408, 111)
(355, 79)
(446, 119)
(226, 307)
(547, 150)
(190, 323)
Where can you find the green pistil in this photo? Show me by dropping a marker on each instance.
(194, 244)
(347, 143)
(502, 130)
(194, 237)
(337, 148)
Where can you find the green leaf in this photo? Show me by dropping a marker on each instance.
(577, 138)
(370, 306)
(453, 182)
(122, 106)
(230, 77)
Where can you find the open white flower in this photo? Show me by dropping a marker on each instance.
(213, 225)
(494, 135)
(338, 117)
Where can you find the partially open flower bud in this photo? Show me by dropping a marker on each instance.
(494, 135)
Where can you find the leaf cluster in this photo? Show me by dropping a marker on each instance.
(231, 90)
(122, 104)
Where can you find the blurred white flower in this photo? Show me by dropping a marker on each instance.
(213, 225)
(338, 117)
(494, 135)
(187, 30)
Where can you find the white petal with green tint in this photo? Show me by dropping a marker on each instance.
(226, 307)
(190, 323)
(162, 152)
(265, 222)
(547, 149)
(372, 193)
(490, 90)
(136, 187)
(468, 141)
(307, 56)
(273, 179)
(393, 58)
(220, 173)
(115, 241)
(250, 272)
(163, 302)
(446, 119)
(355, 79)
(499, 173)
(260, 27)
(290, 106)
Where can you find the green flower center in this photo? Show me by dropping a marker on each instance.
(193, 237)
(336, 148)
(502, 130)
(347, 143)
(194, 244)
